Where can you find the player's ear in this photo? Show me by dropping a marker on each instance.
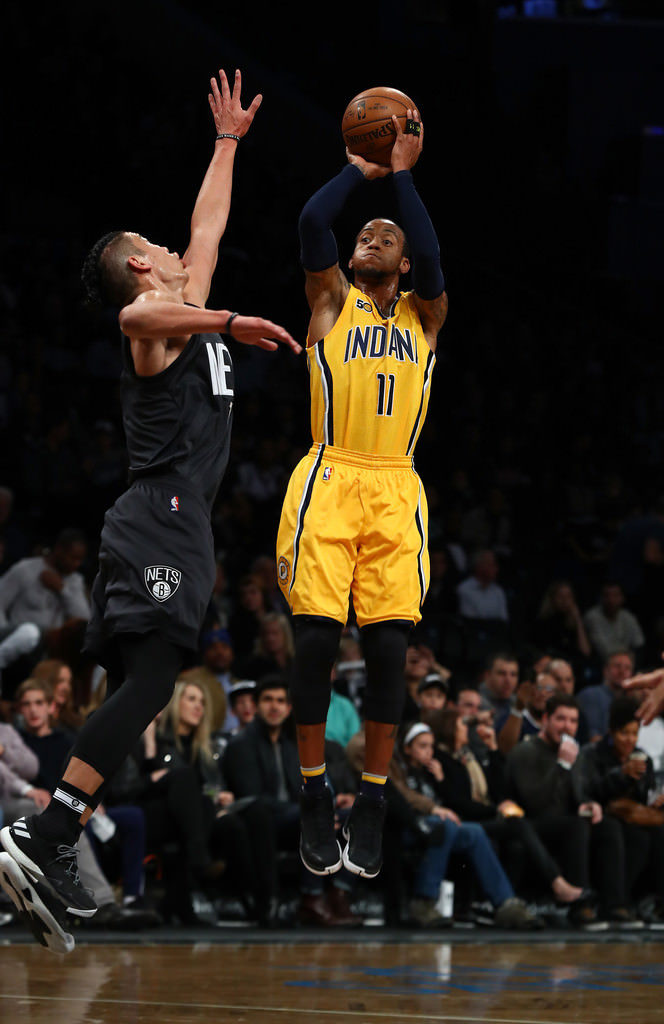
(138, 262)
(404, 266)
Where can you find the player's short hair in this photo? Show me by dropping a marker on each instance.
(106, 278)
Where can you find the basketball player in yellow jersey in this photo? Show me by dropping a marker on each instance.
(354, 520)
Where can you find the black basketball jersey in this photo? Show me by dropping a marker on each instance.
(178, 422)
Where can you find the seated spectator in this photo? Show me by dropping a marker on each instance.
(478, 794)
(262, 761)
(417, 775)
(58, 675)
(51, 748)
(479, 720)
(432, 693)
(596, 700)
(251, 604)
(242, 703)
(242, 700)
(563, 673)
(420, 662)
(227, 835)
(17, 646)
(49, 592)
(616, 769)
(19, 766)
(499, 682)
(274, 649)
(583, 841)
(479, 596)
(558, 628)
(350, 669)
(343, 721)
(611, 627)
(218, 674)
(525, 716)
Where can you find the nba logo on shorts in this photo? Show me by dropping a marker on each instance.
(175, 503)
(162, 581)
(327, 473)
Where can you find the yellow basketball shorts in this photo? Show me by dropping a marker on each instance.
(354, 524)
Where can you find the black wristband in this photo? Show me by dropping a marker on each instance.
(227, 135)
(227, 329)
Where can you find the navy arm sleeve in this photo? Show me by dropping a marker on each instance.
(427, 276)
(318, 246)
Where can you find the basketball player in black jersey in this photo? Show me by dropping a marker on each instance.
(156, 559)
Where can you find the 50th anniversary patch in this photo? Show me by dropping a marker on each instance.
(162, 581)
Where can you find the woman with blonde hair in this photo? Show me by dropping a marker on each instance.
(238, 835)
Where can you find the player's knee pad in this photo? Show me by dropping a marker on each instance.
(316, 647)
(384, 647)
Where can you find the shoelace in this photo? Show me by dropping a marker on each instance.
(68, 853)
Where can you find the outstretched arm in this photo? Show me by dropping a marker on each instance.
(153, 316)
(427, 275)
(210, 215)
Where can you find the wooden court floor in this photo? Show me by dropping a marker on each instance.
(313, 981)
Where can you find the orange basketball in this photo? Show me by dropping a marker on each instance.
(367, 127)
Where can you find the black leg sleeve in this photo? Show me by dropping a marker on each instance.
(384, 646)
(151, 667)
(316, 647)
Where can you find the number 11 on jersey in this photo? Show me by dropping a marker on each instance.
(385, 394)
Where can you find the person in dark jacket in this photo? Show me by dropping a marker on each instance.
(263, 760)
(615, 769)
(479, 794)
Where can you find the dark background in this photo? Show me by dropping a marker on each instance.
(543, 173)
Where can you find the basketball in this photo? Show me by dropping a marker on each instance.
(367, 127)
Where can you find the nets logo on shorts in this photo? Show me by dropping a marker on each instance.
(162, 581)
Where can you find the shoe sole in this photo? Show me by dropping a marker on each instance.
(321, 872)
(31, 908)
(356, 869)
(34, 873)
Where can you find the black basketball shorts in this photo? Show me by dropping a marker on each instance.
(156, 566)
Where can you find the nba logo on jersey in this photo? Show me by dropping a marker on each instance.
(327, 473)
(161, 581)
(175, 503)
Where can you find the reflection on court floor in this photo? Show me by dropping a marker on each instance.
(340, 983)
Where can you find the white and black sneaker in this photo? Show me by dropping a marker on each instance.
(27, 898)
(52, 866)
(319, 847)
(363, 854)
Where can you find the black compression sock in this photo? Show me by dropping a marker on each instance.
(60, 821)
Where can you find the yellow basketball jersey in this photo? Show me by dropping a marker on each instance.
(370, 378)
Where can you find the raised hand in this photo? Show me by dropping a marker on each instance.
(407, 145)
(226, 106)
